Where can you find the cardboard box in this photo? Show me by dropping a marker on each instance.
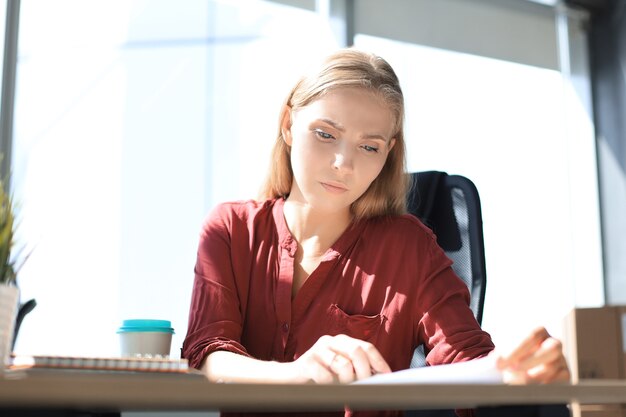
(595, 347)
(593, 342)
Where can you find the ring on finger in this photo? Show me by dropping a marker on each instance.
(338, 360)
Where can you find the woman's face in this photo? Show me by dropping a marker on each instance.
(339, 144)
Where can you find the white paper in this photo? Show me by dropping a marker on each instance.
(477, 371)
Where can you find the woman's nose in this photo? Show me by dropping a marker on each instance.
(343, 160)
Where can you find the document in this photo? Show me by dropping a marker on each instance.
(477, 371)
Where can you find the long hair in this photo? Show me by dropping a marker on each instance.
(386, 195)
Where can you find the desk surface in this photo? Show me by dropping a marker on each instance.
(142, 391)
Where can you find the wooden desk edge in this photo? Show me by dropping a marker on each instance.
(137, 391)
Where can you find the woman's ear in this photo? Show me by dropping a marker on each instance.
(285, 124)
(392, 142)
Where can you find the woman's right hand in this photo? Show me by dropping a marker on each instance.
(339, 359)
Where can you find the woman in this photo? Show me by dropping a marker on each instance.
(327, 278)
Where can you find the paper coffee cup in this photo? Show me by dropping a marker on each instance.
(143, 337)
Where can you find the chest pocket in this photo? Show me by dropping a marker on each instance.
(358, 326)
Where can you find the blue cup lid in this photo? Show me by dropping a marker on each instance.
(146, 325)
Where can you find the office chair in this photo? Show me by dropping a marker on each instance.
(450, 206)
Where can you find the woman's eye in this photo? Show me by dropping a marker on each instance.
(369, 148)
(323, 134)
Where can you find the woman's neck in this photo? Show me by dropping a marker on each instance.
(315, 231)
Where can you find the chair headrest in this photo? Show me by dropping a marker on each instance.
(430, 200)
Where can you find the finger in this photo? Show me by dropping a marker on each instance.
(320, 361)
(548, 373)
(333, 356)
(342, 368)
(322, 375)
(349, 347)
(323, 363)
(514, 378)
(544, 375)
(526, 348)
(539, 375)
(326, 356)
(361, 363)
(550, 352)
(563, 376)
(377, 362)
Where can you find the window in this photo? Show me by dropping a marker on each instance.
(132, 120)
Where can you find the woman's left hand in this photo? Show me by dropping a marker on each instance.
(538, 359)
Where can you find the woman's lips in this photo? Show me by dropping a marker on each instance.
(334, 188)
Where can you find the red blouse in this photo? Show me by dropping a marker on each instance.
(385, 280)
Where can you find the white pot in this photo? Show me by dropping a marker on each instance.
(9, 296)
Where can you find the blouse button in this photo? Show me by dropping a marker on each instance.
(285, 327)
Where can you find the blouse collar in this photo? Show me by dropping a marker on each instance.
(286, 240)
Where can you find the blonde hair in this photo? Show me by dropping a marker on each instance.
(386, 195)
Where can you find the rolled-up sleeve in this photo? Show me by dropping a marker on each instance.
(215, 314)
(448, 326)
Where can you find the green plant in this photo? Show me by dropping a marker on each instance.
(8, 269)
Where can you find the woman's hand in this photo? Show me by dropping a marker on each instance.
(538, 359)
(339, 359)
